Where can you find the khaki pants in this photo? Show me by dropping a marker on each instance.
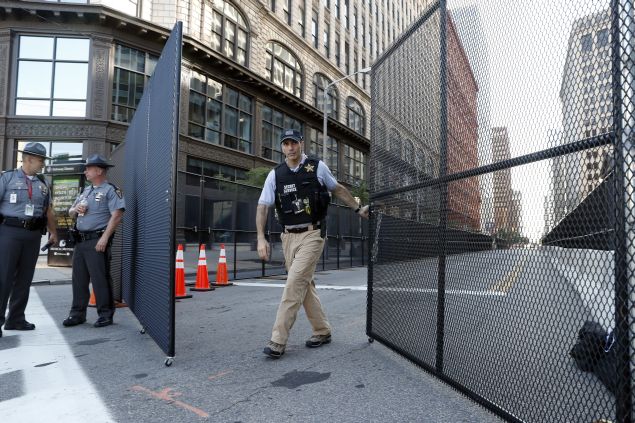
(301, 254)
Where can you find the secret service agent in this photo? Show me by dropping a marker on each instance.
(25, 214)
(299, 188)
(99, 209)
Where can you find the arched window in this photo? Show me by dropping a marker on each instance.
(320, 83)
(229, 31)
(283, 69)
(356, 116)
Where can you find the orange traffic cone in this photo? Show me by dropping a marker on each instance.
(202, 279)
(92, 302)
(221, 270)
(179, 277)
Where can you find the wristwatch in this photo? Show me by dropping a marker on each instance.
(358, 209)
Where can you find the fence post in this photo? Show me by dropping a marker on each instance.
(443, 191)
(623, 26)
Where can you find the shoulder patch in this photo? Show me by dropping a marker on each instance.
(117, 190)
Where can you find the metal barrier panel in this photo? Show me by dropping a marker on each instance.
(149, 226)
(502, 179)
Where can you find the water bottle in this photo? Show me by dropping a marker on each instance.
(83, 202)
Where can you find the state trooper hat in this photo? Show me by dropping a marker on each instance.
(97, 160)
(291, 134)
(35, 149)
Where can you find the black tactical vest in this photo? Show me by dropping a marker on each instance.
(300, 198)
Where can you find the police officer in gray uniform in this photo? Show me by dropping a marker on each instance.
(99, 209)
(25, 214)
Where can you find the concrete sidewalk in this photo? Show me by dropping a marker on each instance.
(219, 373)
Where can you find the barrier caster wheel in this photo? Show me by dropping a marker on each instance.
(371, 340)
(142, 331)
(168, 361)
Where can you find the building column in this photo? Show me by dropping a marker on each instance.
(5, 60)
(101, 76)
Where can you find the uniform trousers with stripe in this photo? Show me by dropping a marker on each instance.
(90, 265)
(301, 254)
(19, 250)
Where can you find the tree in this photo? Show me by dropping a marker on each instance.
(360, 191)
(256, 177)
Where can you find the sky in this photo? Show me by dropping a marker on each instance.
(527, 43)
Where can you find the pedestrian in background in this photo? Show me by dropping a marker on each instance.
(299, 187)
(25, 213)
(98, 209)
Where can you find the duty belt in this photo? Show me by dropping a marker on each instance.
(86, 236)
(302, 229)
(34, 224)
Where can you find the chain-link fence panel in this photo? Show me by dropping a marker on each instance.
(502, 179)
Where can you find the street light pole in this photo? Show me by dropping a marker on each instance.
(325, 121)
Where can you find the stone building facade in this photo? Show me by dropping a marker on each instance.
(72, 73)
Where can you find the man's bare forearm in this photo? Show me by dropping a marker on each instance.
(345, 195)
(261, 220)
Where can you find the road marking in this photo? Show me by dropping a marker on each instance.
(168, 396)
(217, 375)
(382, 289)
(281, 285)
(55, 385)
(507, 282)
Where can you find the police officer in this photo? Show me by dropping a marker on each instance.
(299, 189)
(99, 209)
(25, 213)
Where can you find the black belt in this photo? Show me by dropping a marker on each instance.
(87, 236)
(34, 224)
(302, 229)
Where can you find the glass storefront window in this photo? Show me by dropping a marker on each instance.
(52, 76)
(133, 69)
(62, 152)
(274, 122)
(315, 141)
(355, 164)
(219, 114)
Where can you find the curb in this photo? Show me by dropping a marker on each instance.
(52, 282)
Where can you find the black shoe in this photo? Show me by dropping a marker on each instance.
(0, 333)
(103, 321)
(73, 321)
(19, 326)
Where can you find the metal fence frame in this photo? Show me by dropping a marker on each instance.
(620, 237)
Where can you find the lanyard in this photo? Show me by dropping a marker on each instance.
(29, 186)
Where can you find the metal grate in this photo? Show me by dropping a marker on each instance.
(502, 182)
(149, 226)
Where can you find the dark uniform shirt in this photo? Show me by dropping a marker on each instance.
(17, 200)
(103, 200)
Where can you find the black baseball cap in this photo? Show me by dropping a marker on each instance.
(291, 134)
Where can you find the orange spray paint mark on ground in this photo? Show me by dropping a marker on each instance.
(168, 396)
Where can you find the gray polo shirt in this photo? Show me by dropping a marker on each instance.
(103, 200)
(14, 195)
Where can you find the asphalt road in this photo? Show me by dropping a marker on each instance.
(219, 373)
(511, 319)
